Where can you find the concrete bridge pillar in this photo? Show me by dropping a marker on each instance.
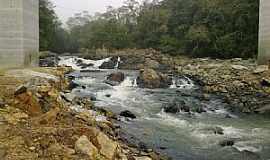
(264, 32)
(19, 33)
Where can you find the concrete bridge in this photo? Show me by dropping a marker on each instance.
(19, 32)
(264, 33)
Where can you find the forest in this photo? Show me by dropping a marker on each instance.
(195, 28)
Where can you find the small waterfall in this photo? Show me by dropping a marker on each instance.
(135, 83)
(72, 61)
(117, 63)
(173, 84)
(182, 83)
(128, 82)
(69, 61)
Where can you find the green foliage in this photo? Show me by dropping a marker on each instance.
(52, 36)
(198, 28)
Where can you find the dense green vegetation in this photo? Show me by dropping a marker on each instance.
(52, 36)
(199, 28)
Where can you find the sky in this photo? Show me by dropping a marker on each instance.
(67, 8)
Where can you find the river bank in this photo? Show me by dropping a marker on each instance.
(38, 120)
(170, 109)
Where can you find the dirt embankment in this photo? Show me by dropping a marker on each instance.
(37, 121)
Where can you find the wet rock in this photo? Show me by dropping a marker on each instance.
(265, 82)
(176, 107)
(115, 78)
(83, 65)
(198, 109)
(260, 69)
(228, 142)
(48, 59)
(72, 85)
(20, 90)
(68, 96)
(128, 114)
(110, 64)
(84, 146)
(149, 78)
(108, 148)
(142, 147)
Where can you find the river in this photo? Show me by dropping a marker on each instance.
(182, 136)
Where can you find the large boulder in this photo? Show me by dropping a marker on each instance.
(152, 63)
(107, 147)
(115, 78)
(149, 78)
(84, 146)
(110, 64)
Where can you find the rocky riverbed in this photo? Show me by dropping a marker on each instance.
(241, 83)
(180, 110)
(39, 119)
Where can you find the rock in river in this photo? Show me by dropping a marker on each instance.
(128, 114)
(227, 142)
(150, 78)
(115, 79)
(176, 107)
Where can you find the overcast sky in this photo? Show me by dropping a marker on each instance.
(67, 8)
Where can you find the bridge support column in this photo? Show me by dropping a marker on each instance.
(19, 33)
(264, 33)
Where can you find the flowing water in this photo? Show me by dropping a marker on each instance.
(181, 136)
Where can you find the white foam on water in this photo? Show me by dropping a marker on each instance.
(128, 82)
(96, 64)
(233, 132)
(85, 80)
(168, 119)
(182, 83)
(69, 61)
(117, 63)
(173, 84)
(251, 146)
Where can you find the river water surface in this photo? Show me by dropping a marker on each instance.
(181, 136)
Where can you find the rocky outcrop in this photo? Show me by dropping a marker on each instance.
(115, 78)
(110, 64)
(150, 78)
(37, 123)
(84, 146)
(241, 83)
(108, 148)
